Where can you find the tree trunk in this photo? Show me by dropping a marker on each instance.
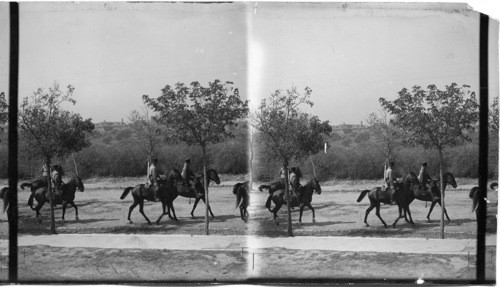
(288, 199)
(441, 186)
(312, 163)
(205, 186)
(51, 199)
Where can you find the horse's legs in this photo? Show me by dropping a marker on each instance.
(209, 208)
(163, 205)
(141, 210)
(38, 216)
(300, 212)
(445, 212)
(430, 210)
(136, 202)
(312, 209)
(368, 210)
(407, 208)
(400, 216)
(76, 209)
(377, 212)
(171, 206)
(64, 209)
(194, 206)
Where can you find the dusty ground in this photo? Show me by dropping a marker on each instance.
(337, 214)
(118, 265)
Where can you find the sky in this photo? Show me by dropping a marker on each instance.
(115, 52)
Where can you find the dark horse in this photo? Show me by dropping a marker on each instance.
(171, 188)
(421, 194)
(4, 195)
(475, 198)
(242, 198)
(141, 192)
(67, 196)
(34, 186)
(377, 196)
(275, 186)
(302, 199)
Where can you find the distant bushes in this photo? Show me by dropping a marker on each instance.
(365, 162)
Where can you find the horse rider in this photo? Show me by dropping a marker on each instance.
(188, 176)
(56, 178)
(389, 180)
(45, 172)
(282, 176)
(425, 180)
(295, 176)
(153, 178)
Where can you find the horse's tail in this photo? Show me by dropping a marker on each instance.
(3, 196)
(126, 192)
(239, 199)
(472, 192)
(23, 185)
(264, 186)
(268, 201)
(235, 188)
(362, 195)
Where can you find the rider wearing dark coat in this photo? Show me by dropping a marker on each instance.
(188, 175)
(425, 180)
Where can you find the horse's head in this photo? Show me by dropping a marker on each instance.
(174, 175)
(449, 178)
(315, 185)
(79, 183)
(213, 176)
(411, 178)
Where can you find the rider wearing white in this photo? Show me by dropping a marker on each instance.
(153, 178)
(390, 181)
(425, 179)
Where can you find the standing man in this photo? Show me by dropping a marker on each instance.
(188, 176)
(390, 181)
(425, 180)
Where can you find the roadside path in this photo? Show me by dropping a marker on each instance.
(250, 243)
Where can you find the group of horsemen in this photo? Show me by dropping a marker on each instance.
(188, 176)
(388, 185)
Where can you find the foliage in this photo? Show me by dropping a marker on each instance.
(434, 118)
(4, 109)
(386, 135)
(147, 130)
(493, 116)
(199, 115)
(49, 130)
(285, 130)
(123, 134)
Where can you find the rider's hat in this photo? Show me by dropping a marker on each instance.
(187, 160)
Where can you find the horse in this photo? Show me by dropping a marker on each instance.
(242, 198)
(275, 186)
(377, 196)
(422, 195)
(473, 194)
(140, 193)
(34, 185)
(177, 186)
(302, 199)
(4, 195)
(67, 197)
